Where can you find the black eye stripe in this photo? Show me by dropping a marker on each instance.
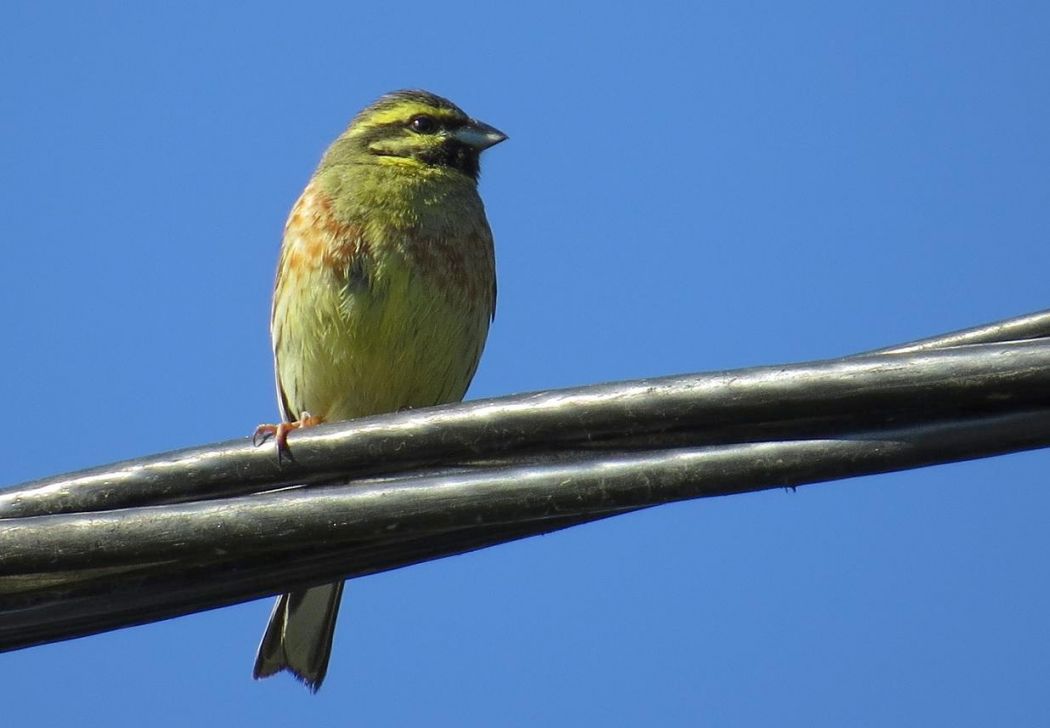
(392, 128)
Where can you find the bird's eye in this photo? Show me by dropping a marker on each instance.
(423, 124)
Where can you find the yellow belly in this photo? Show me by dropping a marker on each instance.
(350, 348)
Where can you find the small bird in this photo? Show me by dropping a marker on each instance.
(385, 290)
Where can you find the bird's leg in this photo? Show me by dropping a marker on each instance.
(280, 432)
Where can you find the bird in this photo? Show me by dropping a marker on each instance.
(385, 291)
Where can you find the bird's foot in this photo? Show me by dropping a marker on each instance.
(281, 431)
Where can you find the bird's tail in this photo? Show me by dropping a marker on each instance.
(299, 636)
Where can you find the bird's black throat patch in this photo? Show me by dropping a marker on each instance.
(454, 154)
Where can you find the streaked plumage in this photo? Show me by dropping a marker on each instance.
(385, 290)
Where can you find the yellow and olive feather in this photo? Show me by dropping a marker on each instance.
(385, 289)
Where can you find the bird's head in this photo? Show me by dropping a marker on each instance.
(415, 129)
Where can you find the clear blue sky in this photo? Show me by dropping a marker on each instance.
(687, 187)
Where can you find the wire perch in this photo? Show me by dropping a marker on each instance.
(195, 529)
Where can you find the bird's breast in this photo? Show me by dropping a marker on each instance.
(371, 317)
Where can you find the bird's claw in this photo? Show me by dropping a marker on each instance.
(281, 431)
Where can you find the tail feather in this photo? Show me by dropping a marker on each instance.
(299, 635)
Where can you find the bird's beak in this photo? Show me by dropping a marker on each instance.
(479, 135)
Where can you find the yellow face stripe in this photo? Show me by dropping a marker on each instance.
(404, 112)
